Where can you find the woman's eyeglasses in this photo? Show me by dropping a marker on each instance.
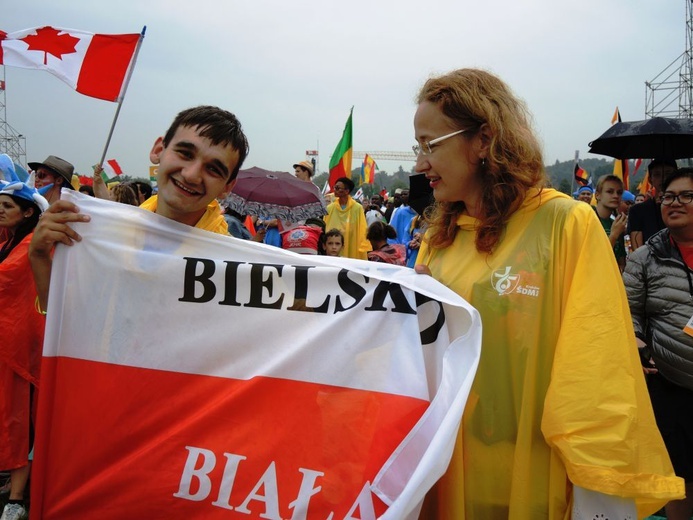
(425, 148)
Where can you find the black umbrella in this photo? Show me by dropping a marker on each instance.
(658, 138)
(420, 192)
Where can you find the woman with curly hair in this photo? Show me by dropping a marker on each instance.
(558, 416)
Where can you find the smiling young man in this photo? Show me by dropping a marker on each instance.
(199, 158)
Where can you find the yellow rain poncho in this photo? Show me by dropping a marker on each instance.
(351, 221)
(559, 395)
(212, 220)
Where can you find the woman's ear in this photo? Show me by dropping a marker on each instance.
(29, 213)
(485, 135)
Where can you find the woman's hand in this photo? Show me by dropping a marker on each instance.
(422, 269)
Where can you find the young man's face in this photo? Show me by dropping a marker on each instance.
(192, 173)
(610, 195)
(585, 196)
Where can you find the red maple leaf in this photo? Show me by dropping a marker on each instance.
(50, 40)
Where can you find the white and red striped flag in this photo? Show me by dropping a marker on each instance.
(112, 168)
(95, 65)
(207, 376)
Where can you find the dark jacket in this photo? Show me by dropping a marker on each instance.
(660, 299)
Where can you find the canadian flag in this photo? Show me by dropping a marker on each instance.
(112, 168)
(220, 378)
(95, 65)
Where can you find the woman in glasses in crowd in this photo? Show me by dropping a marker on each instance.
(558, 416)
(659, 283)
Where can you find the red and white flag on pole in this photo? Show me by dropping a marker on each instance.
(201, 376)
(95, 65)
(112, 168)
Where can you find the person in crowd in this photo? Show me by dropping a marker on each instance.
(646, 218)
(86, 189)
(21, 330)
(378, 235)
(238, 228)
(558, 415)
(608, 194)
(627, 200)
(393, 203)
(334, 242)
(660, 294)
(401, 220)
(304, 171)
(640, 198)
(418, 228)
(585, 194)
(53, 171)
(143, 190)
(305, 239)
(374, 212)
(123, 193)
(347, 215)
(199, 158)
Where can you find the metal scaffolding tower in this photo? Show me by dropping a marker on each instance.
(670, 93)
(11, 142)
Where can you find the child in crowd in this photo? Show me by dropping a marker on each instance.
(304, 239)
(334, 242)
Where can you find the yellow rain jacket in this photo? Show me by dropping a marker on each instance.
(351, 221)
(559, 396)
(212, 220)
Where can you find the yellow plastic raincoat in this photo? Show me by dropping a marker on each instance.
(212, 220)
(351, 221)
(559, 395)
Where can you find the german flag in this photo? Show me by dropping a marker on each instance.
(581, 176)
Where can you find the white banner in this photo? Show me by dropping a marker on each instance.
(194, 374)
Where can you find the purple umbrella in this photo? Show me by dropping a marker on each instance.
(269, 194)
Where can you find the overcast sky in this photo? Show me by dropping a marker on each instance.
(291, 70)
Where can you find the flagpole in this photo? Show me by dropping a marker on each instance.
(122, 97)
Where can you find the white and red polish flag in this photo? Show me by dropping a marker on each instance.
(95, 65)
(190, 375)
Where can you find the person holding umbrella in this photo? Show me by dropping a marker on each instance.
(558, 415)
(646, 219)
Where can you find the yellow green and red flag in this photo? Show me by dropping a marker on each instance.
(340, 162)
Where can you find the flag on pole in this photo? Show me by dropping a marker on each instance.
(2, 84)
(581, 176)
(189, 420)
(95, 65)
(621, 164)
(112, 168)
(340, 162)
(368, 169)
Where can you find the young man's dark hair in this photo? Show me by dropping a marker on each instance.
(220, 126)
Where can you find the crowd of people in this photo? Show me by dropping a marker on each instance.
(575, 356)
